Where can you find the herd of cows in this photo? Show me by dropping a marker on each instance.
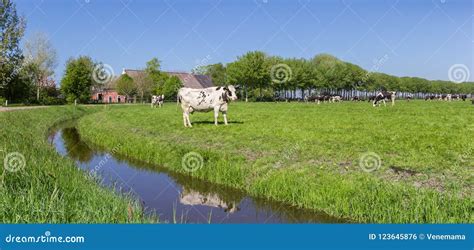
(217, 98)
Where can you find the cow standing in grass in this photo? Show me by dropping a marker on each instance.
(157, 100)
(205, 100)
(383, 96)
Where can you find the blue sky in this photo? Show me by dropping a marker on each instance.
(403, 38)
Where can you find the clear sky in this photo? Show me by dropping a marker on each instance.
(403, 38)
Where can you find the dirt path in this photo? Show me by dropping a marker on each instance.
(7, 109)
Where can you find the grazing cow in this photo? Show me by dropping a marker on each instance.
(205, 100)
(409, 97)
(335, 98)
(157, 100)
(322, 98)
(430, 97)
(383, 96)
(463, 97)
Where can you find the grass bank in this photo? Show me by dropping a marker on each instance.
(39, 186)
(310, 155)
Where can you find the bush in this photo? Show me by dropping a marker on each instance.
(48, 100)
(2, 101)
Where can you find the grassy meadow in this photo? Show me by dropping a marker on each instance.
(313, 156)
(49, 188)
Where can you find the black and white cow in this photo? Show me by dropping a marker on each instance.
(384, 96)
(430, 97)
(204, 100)
(335, 98)
(157, 100)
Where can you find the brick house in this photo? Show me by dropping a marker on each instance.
(109, 95)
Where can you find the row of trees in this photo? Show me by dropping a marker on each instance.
(262, 75)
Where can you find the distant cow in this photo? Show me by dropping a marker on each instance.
(205, 100)
(430, 97)
(335, 98)
(383, 96)
(323, 98)
(463, 97)
(157, 100)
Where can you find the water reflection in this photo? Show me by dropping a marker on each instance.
(175, 197)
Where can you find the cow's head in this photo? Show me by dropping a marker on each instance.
(230, 93)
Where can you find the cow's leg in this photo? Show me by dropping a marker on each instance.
(384, 103)
(189, 121)
(216, 115)
(224, 114)
(185, 121)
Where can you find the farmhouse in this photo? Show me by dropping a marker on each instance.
(108, 94)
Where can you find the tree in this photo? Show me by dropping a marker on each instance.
(125, 86)
(251, 71)
(40, 51)
(144, 85)
(217, 72)
(12, 28)
(77, 80)
(171, 87)
(328, 71)
(158, 78)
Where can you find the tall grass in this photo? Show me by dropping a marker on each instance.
(50, 188)
(308, 155)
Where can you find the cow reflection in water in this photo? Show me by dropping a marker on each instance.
(192, 197)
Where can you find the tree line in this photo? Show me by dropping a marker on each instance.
(262, 76)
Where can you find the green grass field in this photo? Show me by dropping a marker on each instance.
(309, 155)
(48, 188)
